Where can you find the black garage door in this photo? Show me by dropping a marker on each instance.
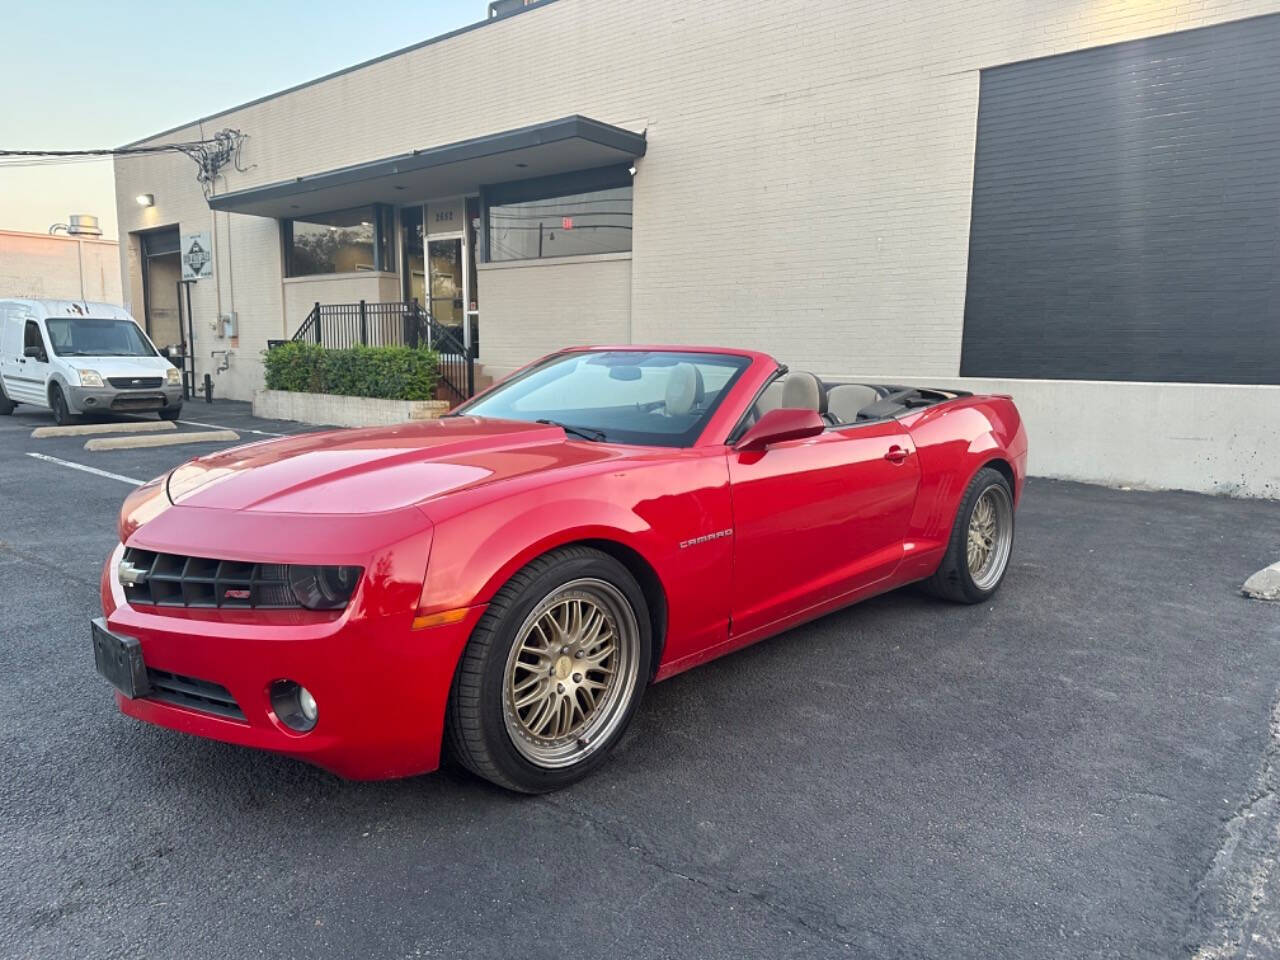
(1126, 212)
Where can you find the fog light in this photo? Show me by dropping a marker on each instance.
(307, 703)
(294, 706)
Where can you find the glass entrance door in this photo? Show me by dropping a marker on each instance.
(438, 263)
(445, 282)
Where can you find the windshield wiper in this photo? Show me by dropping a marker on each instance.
(595, 436)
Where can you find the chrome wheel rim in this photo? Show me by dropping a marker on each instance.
(990, 536)
(571, 673)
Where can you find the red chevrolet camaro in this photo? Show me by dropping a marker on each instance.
(504, 583)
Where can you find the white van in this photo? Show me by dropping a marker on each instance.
(74, 357)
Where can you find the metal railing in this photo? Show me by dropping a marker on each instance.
(399, 324)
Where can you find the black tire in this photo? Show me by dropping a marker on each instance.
(170, 413)
(58, 403)
(953, 579)
(6, 405)
(476, 728)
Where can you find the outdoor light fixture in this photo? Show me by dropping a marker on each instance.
(146, 199)
(632, 169)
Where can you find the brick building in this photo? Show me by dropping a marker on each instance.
(59, 267)
(1075, 202)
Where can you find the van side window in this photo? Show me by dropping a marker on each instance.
(31, 336)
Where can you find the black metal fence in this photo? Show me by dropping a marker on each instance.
(399, 324)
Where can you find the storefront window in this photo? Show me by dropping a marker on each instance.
(344, 241)
(564, 223)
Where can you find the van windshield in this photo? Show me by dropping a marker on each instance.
(97, 337)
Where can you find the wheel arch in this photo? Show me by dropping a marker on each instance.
(56, 379)
(655, 595)
(1005, 469)
(635, 562)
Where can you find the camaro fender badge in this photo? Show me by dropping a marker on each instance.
(705, 537)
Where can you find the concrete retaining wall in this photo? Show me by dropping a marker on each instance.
(1208, 438)
(331, 410)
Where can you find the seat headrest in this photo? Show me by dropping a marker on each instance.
(803, 391)
(844, 400)
(684, 389)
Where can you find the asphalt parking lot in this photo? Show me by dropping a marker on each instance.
(1086, 766)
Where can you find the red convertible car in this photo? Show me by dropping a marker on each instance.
(503, 583)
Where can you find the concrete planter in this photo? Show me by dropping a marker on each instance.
(332, 410)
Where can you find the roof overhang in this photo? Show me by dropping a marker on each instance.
(558, 146)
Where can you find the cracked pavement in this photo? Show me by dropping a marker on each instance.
(1087, 766)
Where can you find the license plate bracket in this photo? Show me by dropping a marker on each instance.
(119, 659)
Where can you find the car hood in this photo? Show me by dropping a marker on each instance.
(374, 470)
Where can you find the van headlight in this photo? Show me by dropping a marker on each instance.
(173, 376)
(90, 378)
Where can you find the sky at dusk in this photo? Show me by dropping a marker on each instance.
(89, 75)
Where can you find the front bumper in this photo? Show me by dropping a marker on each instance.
(109, 399)
(381, 687)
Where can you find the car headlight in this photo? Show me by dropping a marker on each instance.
(323, 588)
(90, 378)
(173, 376)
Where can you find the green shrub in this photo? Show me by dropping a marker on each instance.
(392, 373)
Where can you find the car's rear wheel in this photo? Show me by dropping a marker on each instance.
(553, 672)
(58, 403)
(977, 556)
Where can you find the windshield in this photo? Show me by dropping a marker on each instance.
(625, 396)
(96, 337)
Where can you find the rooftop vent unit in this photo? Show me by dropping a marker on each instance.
(505, 8)
(81, 225)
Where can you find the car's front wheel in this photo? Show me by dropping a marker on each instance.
(981, 542)
(553, 673)
(6, 405)
(58, 403)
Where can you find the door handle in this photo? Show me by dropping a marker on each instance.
(896, 454)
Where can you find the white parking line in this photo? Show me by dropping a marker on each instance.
(218, 426)
(94, 470)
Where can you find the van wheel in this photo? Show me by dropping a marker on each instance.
(61, 412)
(170, 413)
(6, 405)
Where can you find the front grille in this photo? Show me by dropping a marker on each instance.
(135, 383)
(135, 402)
(196, 694)
(172, 580)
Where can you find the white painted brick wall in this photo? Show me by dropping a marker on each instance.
(59, 267)
(807, 186)
(536, 307)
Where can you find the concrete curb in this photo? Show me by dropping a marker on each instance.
(1263, 585)
(128, 426)
(169, 440)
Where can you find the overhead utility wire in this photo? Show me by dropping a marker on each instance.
(210, 155)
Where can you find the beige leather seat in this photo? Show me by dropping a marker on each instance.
(803, 391)
(846, 399)
(685, 390)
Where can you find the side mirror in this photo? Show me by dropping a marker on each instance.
(778, 426)
(35, 353)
